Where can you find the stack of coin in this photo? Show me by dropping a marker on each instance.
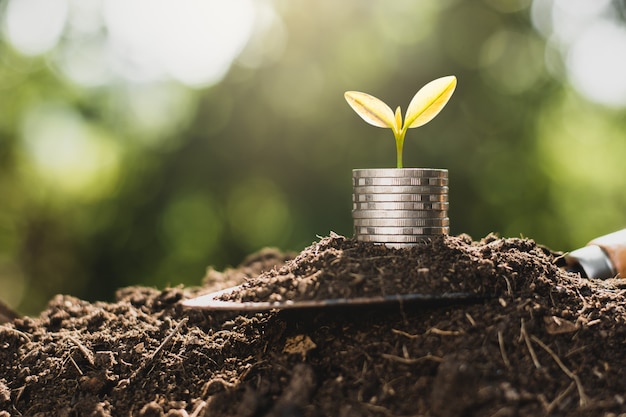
(399, 207)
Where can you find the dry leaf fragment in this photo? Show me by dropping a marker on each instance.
(558, 325)
(299, 345)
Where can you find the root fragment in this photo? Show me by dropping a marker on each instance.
(583, 399)
(529, 346)
(505, 358)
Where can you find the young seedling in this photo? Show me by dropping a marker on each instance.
(424, 106)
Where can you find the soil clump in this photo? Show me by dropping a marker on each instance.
(538, 340)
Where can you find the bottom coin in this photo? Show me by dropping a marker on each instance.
(395, 238)
(400, 231)
(405, 245)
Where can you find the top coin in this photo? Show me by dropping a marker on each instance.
(400, 173)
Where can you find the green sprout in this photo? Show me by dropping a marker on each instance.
(424, 106)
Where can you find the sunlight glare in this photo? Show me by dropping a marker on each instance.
(194, 41)
(570, 17)
(34, 26)
(589, 40)
(595, 65)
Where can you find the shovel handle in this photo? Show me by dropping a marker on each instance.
(614, 245)
(603, 257)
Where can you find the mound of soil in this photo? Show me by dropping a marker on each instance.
(537, 340)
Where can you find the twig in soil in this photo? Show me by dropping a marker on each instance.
(432, 330)
(543, 401)
(581, 392)
(196, 412)
(19, 391)
(509, 289)
(550, 407)
(577, 350)
(470, 319)
(529, 346)
(411, 361)
(405, 334)
(372, 258)
(363, 372)
(378, 409)
(168, 339)
(83, 349)
(215, 385)
(440, 332)
(80, 372)
(17, 332)
(505, 358)
(68, 358)
(154, 354)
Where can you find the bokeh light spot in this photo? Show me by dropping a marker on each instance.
(597, 66)
(581, 151)
(194, 41)
(34, 26)
(268, 43)
(191, 227)
(462, 45)
(587, 37)
(13, 282)
(296, 92)
(258, 213)
(509, 6)
(67, 153)
(513, 60)
(392, 20)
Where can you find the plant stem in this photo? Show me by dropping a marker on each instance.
(399, 146)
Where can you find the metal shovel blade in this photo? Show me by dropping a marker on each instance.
(213, 302)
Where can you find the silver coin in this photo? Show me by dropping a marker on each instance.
(398, 198)
(374, 205)
(394, 238)
(404, 231)
(401, 189)
(399, 214)
(425, 241)
(433, 222)
(398, 173)
(367, 181)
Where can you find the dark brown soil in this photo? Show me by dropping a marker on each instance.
(337, 267)
(541, 342)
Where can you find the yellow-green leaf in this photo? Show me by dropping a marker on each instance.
(371, 109)
(398, 120)
(429, 101)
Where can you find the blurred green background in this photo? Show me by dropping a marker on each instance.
(143, 140)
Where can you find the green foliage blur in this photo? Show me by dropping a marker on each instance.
(114, 181)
